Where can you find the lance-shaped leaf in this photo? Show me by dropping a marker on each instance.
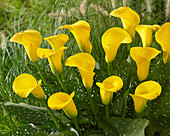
(145, 32)
(25, 84)
(112, 39)
(129, 18)
(57, 41)
(109, 86)
(63, 101)
(162, 36)
(31, 40)
(54, 58)
(81, 32)
(85, 63)
(142, 56)
(147, 90)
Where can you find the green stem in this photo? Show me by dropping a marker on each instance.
(61, 83)
(125, 100)
(51, 113)
(109, 69)
(76, 125)
(40, 72)
(107, 111)
(91, 103)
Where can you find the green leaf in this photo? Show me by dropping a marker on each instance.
(159, 114)
(65, 133)
(39, 133)
(25, 130)
(127, 126)
(28, 114)
(95, 133)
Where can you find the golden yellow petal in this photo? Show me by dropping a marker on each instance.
(139, 103)
(81, 60)
(142, 57)
(145, 32)
(106, 96)
(111, 41)
(62, 100)
(81, 32)
(129, 18)
(87, 77)
(31, 40)
(71, 110)
(162, 36)
(143, 70)
(57, 41)
(148, 90)
(24, 84)
(55, 61)
(111, 84)
(38, 91)
(44, 53)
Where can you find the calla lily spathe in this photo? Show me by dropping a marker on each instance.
(31, 40)
(85, 63)
(57, 41)
(63, 101)
(112, 39)
(54, 58)
(129, 18)
(147, 90)
(81, 32)
(25, 84)
(162, 36)
(109, 86)
(142, 56)
(145, 32)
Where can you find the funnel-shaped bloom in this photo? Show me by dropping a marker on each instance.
(147, 90)
(111, 41)
(54, 58)
(129, 18)
(62, 100)
(145, 32)
(142, 56)
(85, 63)
(25, 84)
(162, 36)
(57, 41)
(109, 86)
(31, 40)
(81, 32)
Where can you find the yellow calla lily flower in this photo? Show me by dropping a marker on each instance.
(145, 32)
(147, 90)
(81, 32)
(85, 63)
(109, 86)
(129, 18)
(25, 84)
(57, 41)
(54, 58)
(162, 36)
(31, 40)
(142, 56)
(62, 100)
(111, 41)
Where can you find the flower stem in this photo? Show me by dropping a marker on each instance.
(125, 101)
(76, 125)
(107, 111)
(40, 72)
(61, 83)
(91, 103)
(51, 113)
(109, 69)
